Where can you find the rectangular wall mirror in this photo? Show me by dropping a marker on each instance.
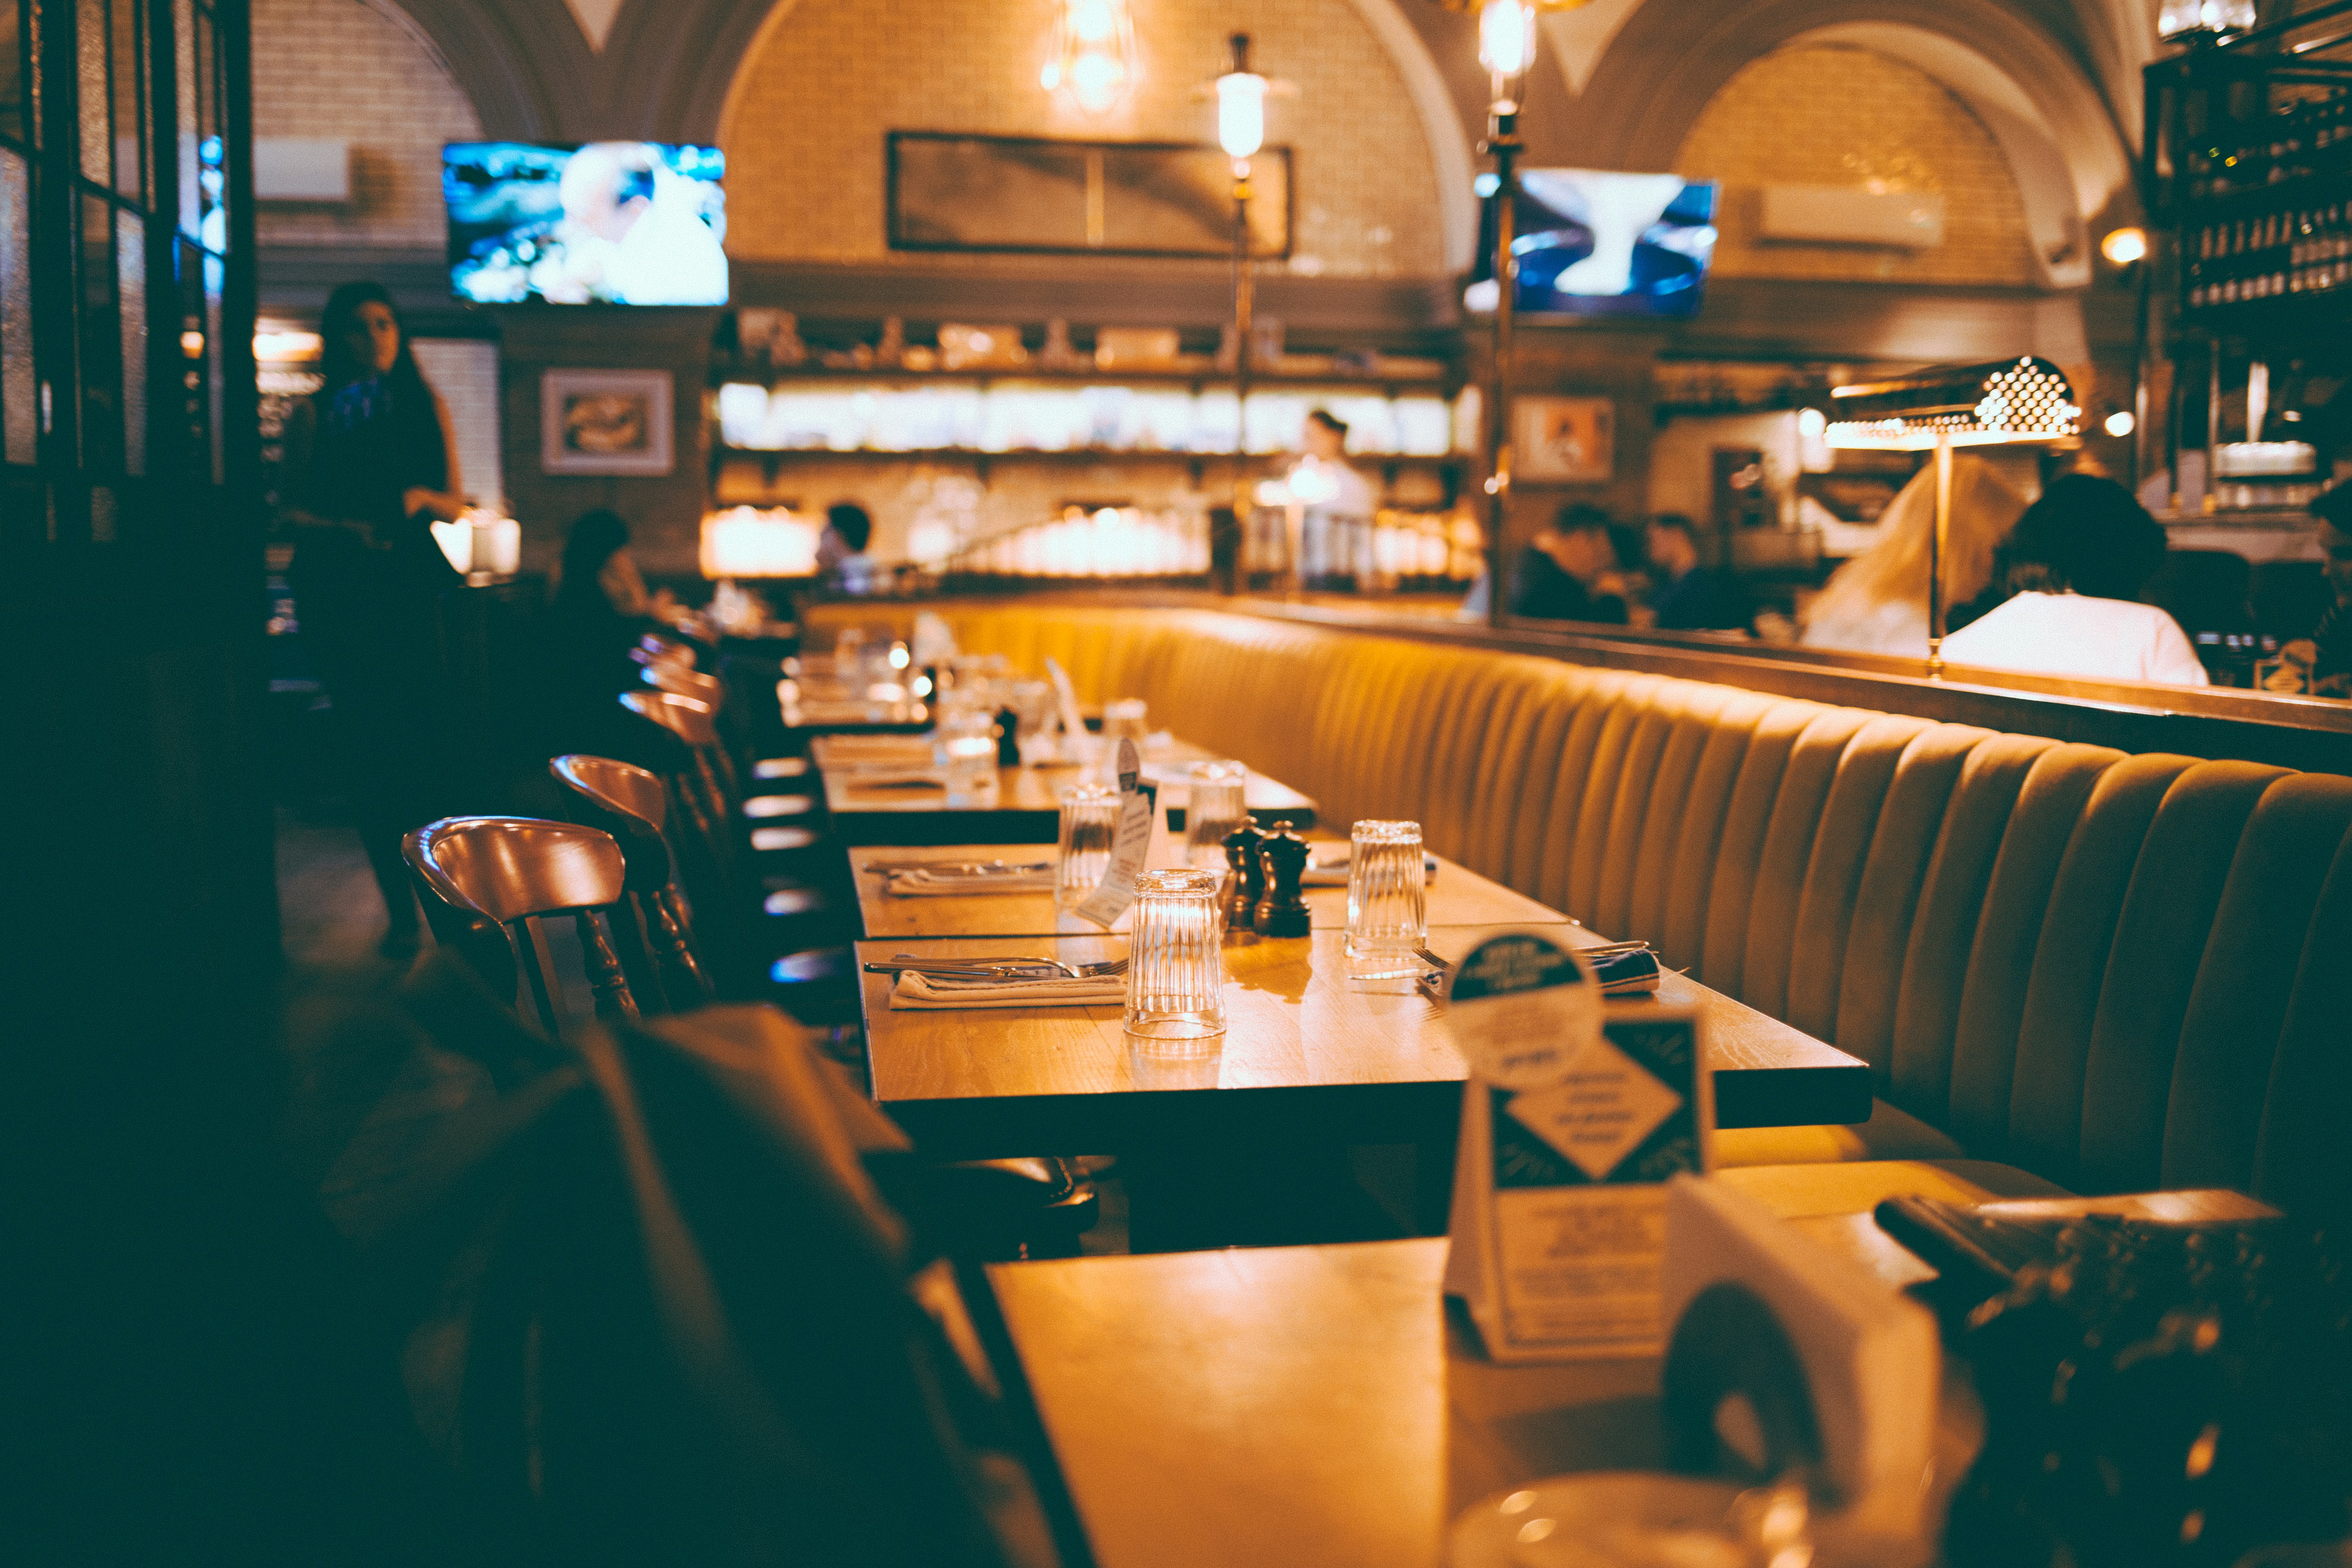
(950, 192)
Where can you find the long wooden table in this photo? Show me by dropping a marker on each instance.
(1307, 1056)
(1319, 1407)
(872, 799)
(1457, 897)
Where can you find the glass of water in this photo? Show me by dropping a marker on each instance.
(1213, 807)
(1176, 965)
(1089, 829)
(1388, 918)
(1124, 719)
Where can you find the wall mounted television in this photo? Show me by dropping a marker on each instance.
(1599, 242)
(601, 223)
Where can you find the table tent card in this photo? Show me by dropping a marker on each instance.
(1575, 1116)
(1139, 816)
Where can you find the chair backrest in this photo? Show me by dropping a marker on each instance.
(664, 676)
(621, 788)
(516, 870)
(633, 806)
(689, 718)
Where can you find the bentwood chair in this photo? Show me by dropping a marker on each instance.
(516, 872)
(633, 805)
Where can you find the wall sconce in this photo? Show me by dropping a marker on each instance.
(1091, 61)
(480, 544)
(2025, 402)
(745, 542)
(2125, 246)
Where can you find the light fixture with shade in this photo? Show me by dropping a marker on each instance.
(1091, 61)
(1240, 94)
(2125, 246)
(1507, 49)
(2025, 402)
(749, 541)
(482, 544)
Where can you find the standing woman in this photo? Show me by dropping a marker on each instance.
(371, 463)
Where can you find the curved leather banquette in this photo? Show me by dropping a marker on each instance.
(2118, 972)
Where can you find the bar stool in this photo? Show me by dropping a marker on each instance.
(633, 805)
(515, 871)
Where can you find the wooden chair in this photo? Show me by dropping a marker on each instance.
(515, 872)
(633, 805)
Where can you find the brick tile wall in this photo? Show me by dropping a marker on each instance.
(1838, 116)
(804, 131)
(342, 67)
(465, 372)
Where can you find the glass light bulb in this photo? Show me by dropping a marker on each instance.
(1094, 20)
(1506, 36)
(2125, 246)
(1241, 113)
(2121, 423)
(1097, 77)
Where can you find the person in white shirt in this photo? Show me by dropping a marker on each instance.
(2073, 570)
(1335, 532)
(1877, 601)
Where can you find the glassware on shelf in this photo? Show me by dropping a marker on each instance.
(1176, 966)
(1082, 852)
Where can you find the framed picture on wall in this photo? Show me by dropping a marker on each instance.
(1565, 440)
(604, 422)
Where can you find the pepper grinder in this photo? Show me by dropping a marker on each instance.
(1245, 876)
(1282, 911)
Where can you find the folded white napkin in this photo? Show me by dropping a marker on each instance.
(1334, 873)
(922, 882)
(914, 990)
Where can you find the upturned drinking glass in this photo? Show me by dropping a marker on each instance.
(1176, 966)
(1089, 829)
(1124, 719)
(1388, 916)
(1213, 807)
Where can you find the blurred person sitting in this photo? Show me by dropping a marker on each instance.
(843, 564)
(1569, 571)
(2321, 664)
(1877, 601)
(601, 609)
(2073, 570)
(1689, 596)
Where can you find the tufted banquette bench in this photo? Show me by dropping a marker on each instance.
(2117, 971)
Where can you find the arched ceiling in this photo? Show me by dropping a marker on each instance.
(2056, 80)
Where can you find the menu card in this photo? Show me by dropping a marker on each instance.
(1575, 1116)
(1139, 811)
(1076, 743)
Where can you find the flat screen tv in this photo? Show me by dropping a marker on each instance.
(1596, 242)
(603, 223)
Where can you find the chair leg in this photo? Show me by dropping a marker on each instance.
(673, 946)
(605, 981)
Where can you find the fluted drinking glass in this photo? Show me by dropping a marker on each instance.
(1213, 807)
(1176, 965)
(1388, 917)
(1089, 829)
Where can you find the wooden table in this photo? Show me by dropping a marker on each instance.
(1457, 897)
(872, 799)
(1307, 1057)
(1317, 1405)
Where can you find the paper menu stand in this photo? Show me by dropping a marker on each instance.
(1076, 744)
(1574, 1117)
(1138, 813)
